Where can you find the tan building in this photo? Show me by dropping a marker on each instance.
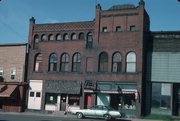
(12, 76)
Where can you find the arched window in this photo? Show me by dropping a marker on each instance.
(38, 62)
(65, 37)
(76, 67)
(81, 36)
(73, 36)
(51, 37)
(43, 37)
(116, 62)
(103, 62)
(89, 40)
(58, 37)
(53, 62)
(36, 38)
(131, 62)
(64, 62)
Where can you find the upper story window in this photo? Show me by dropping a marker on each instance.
(81, 36)
(51, 37)
(64, 62)
(104, 29)
(38, 62)
(73, 36)
(58, 37)
(76, 62)
(116, 62)
(36, 38)
(133, 28)
(131, 62)
(118, 29)
(13, 74)
(89, 41)
(65, 37)
(43, 37)
(103, 62)
(1, 71)
(53, 62)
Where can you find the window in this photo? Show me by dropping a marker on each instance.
(36, 38)
(51, 98)
(76, 62)
(88, 84)
(161, 96)
(131, 62)
(43, 37)
(51, 37)
(103, 62)
(31, 94)
(73, 36)
(13, 74)
(118, 29)
(89, 40)
(53, 62)
(116, 62)
(65, 37)
(132, 28)
(1, 71)
(81, 36)
(38, 62)
(104, 29)
(38, 94)
(58, 37)
(64, 62)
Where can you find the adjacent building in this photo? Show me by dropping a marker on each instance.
(80, 64)
(163, 73)
(12, 76)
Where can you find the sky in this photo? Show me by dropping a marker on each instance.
(15, 14)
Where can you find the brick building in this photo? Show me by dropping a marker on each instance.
(163, 69)
(12, 76)
(81, 64)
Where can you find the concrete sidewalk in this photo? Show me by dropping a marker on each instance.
(61, 114)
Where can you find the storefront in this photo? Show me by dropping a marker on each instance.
(62, 95)
(120, 96)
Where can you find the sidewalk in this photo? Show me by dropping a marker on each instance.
(61, 114)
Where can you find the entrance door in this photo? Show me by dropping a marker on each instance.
(88, 101)
(35, 94)
(34, 101)
(176, 100)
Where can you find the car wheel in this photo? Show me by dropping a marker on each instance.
(79, 115)
(107, 117)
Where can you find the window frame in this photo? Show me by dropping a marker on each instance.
(53, 62)
(103, 62)
(76, 62)
(64, 63)
(117, 62)
(131, 64)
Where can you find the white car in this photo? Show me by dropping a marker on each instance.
(97, 111)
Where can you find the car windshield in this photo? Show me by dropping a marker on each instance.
(110, 108)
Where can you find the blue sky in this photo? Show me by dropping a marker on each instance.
(15, 14)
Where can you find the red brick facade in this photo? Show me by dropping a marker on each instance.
(133, 23)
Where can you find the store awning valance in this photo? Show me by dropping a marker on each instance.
(63, 86)
(8, 91)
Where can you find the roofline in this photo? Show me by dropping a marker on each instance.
(66, 23)
(13, 44)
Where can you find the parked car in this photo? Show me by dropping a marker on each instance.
(97, 111)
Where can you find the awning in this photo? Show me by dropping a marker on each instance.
(62, 86)
(8, 92)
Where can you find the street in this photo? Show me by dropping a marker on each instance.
(19, 117)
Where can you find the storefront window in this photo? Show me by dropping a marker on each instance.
(74, 100)
(51, 98)
(161, 97)
(128, 101)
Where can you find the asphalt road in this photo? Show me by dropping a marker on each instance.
(19, 117)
